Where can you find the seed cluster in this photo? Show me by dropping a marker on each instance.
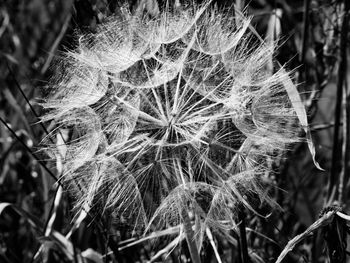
(179, 112)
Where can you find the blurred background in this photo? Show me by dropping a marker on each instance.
(35, 218)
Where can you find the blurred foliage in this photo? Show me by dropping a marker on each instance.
(33, 32)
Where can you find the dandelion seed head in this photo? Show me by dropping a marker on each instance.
(171, 113)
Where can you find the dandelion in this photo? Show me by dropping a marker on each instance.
(172, 118)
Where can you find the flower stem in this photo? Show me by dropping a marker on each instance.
(342, 85)
(337, 154)
(243, 236)
(191, 243)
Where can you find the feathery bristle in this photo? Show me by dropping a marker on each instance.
(171, 113)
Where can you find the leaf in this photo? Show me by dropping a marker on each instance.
(57, 200)
(92, 255)
(64, 244)
(301, 113)
(3, 206)
(9, 57)
(212, 243)
(326, 219)
(61, 139)
(13, 102)
(33, 221)
(166, 232)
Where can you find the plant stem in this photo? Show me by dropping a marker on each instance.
(305, 37)
(191, 243)
(336, 154)
(305, 29)
(243, 236)
(346, 111)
